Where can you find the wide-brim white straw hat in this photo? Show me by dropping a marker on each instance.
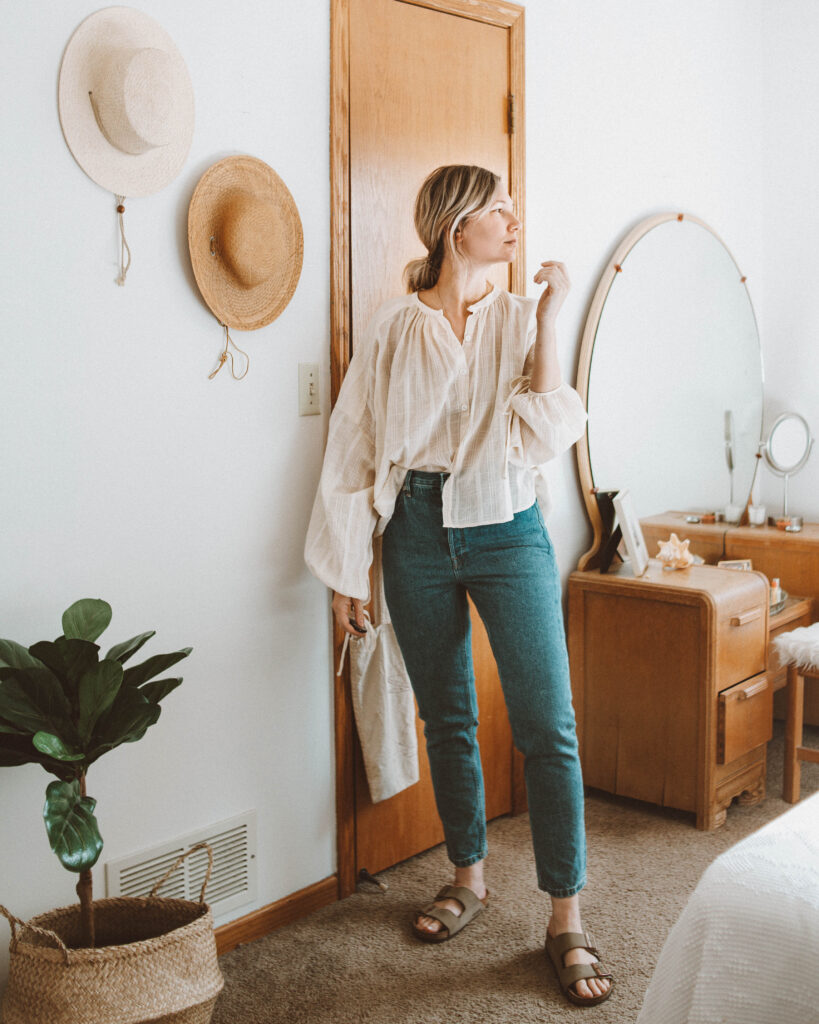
(126, 102)
(246, 242)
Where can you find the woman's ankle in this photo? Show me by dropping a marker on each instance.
(472, 877)
(565, 915)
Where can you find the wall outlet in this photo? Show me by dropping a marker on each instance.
(309, 399)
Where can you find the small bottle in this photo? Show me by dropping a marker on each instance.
(776, 591)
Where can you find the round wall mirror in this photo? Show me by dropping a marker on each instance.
(671, 372)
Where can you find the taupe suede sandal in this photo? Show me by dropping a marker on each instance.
(557, 947)
(452, 923)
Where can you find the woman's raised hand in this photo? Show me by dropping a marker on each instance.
(349, 610)
(554, 275)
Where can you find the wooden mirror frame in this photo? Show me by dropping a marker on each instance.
(613, 268)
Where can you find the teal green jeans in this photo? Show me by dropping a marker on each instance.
(510, 572)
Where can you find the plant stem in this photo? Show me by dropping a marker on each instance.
(85, 891)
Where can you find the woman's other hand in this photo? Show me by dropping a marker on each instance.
(349, 612)
(554, 275)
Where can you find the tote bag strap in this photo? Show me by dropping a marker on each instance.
(346, 645)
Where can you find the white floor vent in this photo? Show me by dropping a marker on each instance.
(232, 883)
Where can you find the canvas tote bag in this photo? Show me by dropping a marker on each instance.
(383, 702)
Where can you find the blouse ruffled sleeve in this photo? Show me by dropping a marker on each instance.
(338, 549)
(541, 424)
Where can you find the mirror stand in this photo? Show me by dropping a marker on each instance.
(787, 477)
(786, 449)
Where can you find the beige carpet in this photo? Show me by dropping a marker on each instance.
(357, 960)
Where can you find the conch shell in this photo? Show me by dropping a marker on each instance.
(674, 553)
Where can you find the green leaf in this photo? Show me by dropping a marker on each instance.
(86, 619)
(126, 721)
(139, 674)
(16, 750)
(54, 747)
(7, 727)
(16, 656)
(122, 652)
(69, 660)
(97, 691)
(72, 828)
(159, 689)
(33, 700)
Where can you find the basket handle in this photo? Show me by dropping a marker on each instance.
(178, 861)
(16, 923)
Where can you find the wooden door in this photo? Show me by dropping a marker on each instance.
(426, 84)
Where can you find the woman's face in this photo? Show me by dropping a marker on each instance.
(490, 236)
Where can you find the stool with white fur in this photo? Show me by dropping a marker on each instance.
(799, 650)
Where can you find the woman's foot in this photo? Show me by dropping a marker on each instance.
(471, 878)
(566, 918)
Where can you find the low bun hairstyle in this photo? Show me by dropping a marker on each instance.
(448, 197)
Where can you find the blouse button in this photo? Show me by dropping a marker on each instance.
(464, 408)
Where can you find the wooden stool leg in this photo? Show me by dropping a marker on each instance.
(793, 735)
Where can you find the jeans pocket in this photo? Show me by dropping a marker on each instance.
(542, 522)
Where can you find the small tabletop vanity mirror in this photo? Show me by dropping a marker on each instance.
(786, 451)
(671, 372)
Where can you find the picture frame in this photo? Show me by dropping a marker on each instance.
(632, 532)
(744, 564)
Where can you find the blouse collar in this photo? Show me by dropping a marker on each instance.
(487, 300)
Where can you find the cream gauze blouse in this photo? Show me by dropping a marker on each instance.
(414, 397)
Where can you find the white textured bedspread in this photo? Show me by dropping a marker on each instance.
(745, 949)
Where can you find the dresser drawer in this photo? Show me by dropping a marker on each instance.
(744, 718)
(742, 643)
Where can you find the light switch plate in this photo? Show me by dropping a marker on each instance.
(309, 398)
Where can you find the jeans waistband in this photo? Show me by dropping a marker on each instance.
(418, 481)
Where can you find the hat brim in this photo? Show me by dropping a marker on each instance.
(245, 309)
(121, 173)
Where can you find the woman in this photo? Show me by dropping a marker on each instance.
(452, 400)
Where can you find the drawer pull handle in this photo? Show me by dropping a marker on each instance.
(745, 617)
(753, 689)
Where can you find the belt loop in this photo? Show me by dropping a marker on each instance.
(407, 487)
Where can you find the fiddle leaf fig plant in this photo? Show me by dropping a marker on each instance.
(63, 706)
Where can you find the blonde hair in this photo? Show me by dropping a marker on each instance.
(448, 198)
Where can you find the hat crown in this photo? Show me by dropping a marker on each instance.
(245, 241)
(247, 235)
(134, 99)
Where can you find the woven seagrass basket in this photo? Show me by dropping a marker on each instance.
(155, 961)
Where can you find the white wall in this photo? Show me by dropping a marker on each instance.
(790, 311)
(634, 109)
(643, 107)
(127, 474)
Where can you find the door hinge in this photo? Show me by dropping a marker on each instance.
(511, 113)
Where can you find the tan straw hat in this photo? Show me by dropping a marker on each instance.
(245, 240)
(126, 102)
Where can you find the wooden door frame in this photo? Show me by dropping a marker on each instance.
(491, 12)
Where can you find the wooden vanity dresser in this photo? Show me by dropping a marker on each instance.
(793, 558)
(671, 689)
(674, 672)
